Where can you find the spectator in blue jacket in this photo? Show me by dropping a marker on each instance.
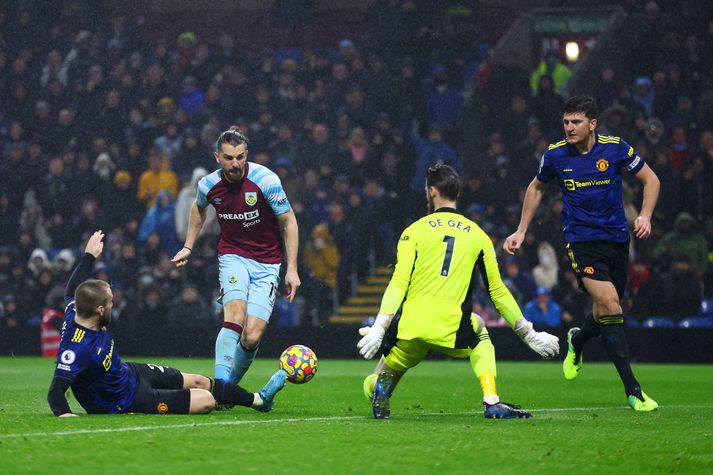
(429, 152)
(543, 310)
(161, 218)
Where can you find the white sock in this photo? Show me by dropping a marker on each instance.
(257, 402)
(491, 400)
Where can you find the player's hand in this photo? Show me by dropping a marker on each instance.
(95, 246)
(181, 257)
(68, 414)
(292, 283)
(642, 227)
(513, 242)
(373, 336)
(542, 343)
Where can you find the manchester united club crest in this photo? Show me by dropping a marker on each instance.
(602, 165)
(251, 197)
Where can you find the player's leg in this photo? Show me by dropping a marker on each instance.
(482, 360)
(234, 283)
(585, 258)
(608, 313)
(389, 341)
(228, 394)
(255, 328)
(404, 355)
(262, 291)
(370, 381)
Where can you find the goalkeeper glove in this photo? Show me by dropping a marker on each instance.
(373, 336)
(542, 343)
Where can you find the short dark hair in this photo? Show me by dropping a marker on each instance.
(584, 104)
(233, 136)
(89, 295)
(445, 179)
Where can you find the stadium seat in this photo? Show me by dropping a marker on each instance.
(631, 323)
(658, 322)
(702, 321)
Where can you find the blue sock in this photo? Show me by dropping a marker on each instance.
(243, 359)
(225, 345)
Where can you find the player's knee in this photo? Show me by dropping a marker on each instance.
(202, 401)
(250, 340)
(608, 305)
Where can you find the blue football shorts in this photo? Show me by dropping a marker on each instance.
(245, 279)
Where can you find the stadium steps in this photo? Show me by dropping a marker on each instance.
(366, 302)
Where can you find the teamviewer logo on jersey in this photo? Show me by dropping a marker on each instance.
(251, 198)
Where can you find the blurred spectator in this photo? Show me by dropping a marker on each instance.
(684, 240)
(185, 200)
(676, 293)
(575, 303)
(429, 152)
(444, 106)
(188, 316)
(156, 179)
(547, 105)
(519, 281)
(321, 262)
(543, 310)
(545, 272)
(161, 219)
(551, 66)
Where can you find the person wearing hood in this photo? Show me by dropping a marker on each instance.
(104, 167)
(185, 200)
(38, 261)
(684, 240)
(63, 264)
(545, 272)
(644, 94)
(161, 218)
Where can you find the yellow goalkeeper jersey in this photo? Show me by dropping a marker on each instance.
(437, 260)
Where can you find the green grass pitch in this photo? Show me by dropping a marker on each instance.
(325, 426)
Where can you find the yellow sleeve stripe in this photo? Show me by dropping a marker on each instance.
(608, 139)
(558, 144)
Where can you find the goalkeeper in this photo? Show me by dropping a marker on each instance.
(433, 281)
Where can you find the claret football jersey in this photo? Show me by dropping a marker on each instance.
(247, 212)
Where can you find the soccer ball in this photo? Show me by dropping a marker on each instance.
(300, 363)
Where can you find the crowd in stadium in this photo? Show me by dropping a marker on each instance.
(108, 127)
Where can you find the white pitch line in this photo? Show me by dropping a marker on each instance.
(314, 419)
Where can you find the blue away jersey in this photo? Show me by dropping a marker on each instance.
(591, 187)
(101, 383)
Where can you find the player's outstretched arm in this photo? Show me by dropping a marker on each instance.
(533, 196)
(290, 235)
(652, 185)
(195, 223)
(542, 343)
(82, 271)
